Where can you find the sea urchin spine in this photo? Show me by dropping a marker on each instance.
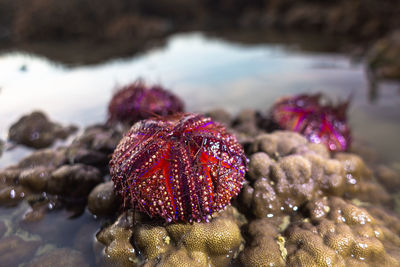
(182, 167)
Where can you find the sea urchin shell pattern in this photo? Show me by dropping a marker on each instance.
(320, 123)
(137, 101)
(182, 167)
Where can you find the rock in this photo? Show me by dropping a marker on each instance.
(3, 228)
(59, 257)
(50, 158)
(220, 115)
(11, 195)
(94, 146)
(102, 200)
(135, 26)
(35, 130)
(1, 147)
(14, 250)
(389, 178)
(384, 57)
(35, 179)
(246, 122)
(74, 180)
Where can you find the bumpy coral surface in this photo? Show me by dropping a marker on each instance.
(214, 243)
(286, 171)
(136, 101)
(341, 234)
(183, 167)
(320, 123)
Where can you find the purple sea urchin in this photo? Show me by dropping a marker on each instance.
(320, 123)
(181, 167)
(135, 102)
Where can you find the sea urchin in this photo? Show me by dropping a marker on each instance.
(182, 167)
(137, 101)
(320, 122)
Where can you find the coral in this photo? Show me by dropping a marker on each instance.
(263, 248)
(182, 167)
(345, 235)
(35, 130)
(287, 171)
(136, 101)
(114, 245)
(320, 123)
(215, 243)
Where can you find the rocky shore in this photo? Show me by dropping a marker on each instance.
(301, 205)
(369, 26)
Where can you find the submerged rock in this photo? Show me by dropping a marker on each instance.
(14, 250)
(384, 57)
(59, 257)
(35, 130)
(1, 147)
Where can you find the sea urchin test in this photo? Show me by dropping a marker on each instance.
(137, 101)
(182, 167)
(324, 123)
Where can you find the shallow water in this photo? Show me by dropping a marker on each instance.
(207, 72)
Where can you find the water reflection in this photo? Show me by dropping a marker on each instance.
(207, 73)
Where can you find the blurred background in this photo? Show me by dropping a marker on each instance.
(67, 57)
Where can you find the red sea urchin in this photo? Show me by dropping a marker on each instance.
(181, 167)
(320, 123)
(135, 102)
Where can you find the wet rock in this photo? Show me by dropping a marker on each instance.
(35, 179)
(50, 158)
(102, 200)
(11, 195)
(134, 26)
(59, 257)
(389, 178)
(220, 115)
(113, 246)
(384, 57)
(94, 146)
(35, 130)
(74, 180)
(3, 228)
(14, 250)
(246, 122)
(1, 147)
